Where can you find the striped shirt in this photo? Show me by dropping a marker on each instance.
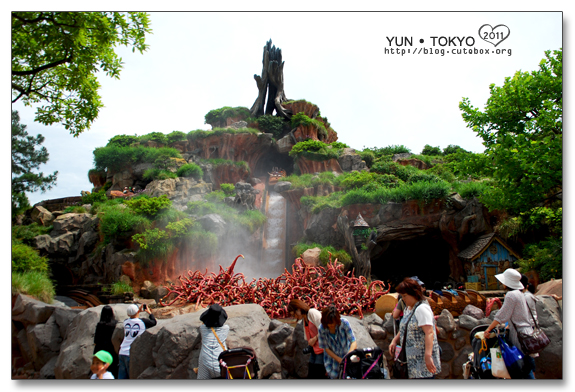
(339, 343)
(208, 365)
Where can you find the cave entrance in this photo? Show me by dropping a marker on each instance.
(62, 277)
(425, 257)
(270, 160)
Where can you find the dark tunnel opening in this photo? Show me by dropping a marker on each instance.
(273, 159)
(425, 257)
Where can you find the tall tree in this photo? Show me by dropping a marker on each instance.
(56, 55)
(26, 158)
(522, 131)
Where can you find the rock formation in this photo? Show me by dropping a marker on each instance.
(55, 341)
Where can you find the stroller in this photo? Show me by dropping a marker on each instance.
(479, 364)
(238, 363)
(363, 363)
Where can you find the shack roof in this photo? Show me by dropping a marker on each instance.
(480, 245)
(360, 222)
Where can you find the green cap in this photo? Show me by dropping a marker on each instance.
(104, 356)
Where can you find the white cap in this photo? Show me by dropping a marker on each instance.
(132, 310)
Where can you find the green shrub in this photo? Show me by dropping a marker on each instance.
(272, 124)
(314, 150)
(158, 174)
(368, 157)
(25, 258)
(200, 133)
(154, 244)
(228, 189)
(251, 219)
(471, 189)
(545, 257)
(149, 206)
(117, 158)
(75, 210)
(389, 150)
(319, 203)
(216, 197)
(442, 172)
(190, 170)
(118, 221)
(452, 149)
(222, 114)
(400, 171)
(167, 216)
(26, 233)
(176, 136)
(123, 140)
(156, 137)
(205, 243)
(201, 208)
(180, 228)
(423, 176)
(94, 197)
(34, 283)
(119, 288)
(429, 150)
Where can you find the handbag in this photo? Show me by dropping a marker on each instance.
(514, 359)
(535, 342)
(498, 368)
(400, 364)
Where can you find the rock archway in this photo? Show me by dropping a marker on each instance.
(272, 159)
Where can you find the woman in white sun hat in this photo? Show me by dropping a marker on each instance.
(514, 309)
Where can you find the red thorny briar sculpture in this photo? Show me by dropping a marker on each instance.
(317, 286)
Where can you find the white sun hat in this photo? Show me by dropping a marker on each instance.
(510, 278)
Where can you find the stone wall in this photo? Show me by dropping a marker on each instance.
(55, 341)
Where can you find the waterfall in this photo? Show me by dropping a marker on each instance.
(273, 252)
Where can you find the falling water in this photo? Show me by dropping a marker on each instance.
(273, 253)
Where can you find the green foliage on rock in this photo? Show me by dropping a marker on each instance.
(26, 233)
(117, 158)
(316, 150)
(25, 258)
(34, 283)
(93, 197)
(522, 131)
(222, 114)
(156, 137)
(117, 221)
(272, 124)
(119, 288)
(57, 55)
(149, 206)
(200, 133)
(228, 189)
(341, 255)
(301, 119)
(176, 136)
(123, 140)
(469, 190)
(190, 170)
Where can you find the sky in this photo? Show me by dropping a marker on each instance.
(347, 63)
(338, 60)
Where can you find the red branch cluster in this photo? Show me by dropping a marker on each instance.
(317, 286)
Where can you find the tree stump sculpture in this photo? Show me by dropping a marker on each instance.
(361, 259)
(271, 83)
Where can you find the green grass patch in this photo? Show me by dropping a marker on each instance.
(149, 206)
(118, 221)
(190, 170)
(228, 189)
(74, 210)
(34, 283)
(25, 259)
(26, 233)
(200, 133)
(119, 288)
(158, 174)
(469, 190)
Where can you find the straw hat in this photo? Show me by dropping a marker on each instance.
(385, 304)
(510, 278)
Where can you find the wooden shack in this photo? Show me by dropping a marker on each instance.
(486, 257)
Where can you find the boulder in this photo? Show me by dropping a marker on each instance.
(47, 371)
(44, 341)
(549, 364)
(468, 322)
(282, 186)
(78, 346)
(311, 256)
(42, 216)
(73, 223)
(213, 223)
(170, 350)
(404, 155)
(473, 311)
(554, 286)
(446, 321)
(349, 160)
(285, 144)
(30, 311)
